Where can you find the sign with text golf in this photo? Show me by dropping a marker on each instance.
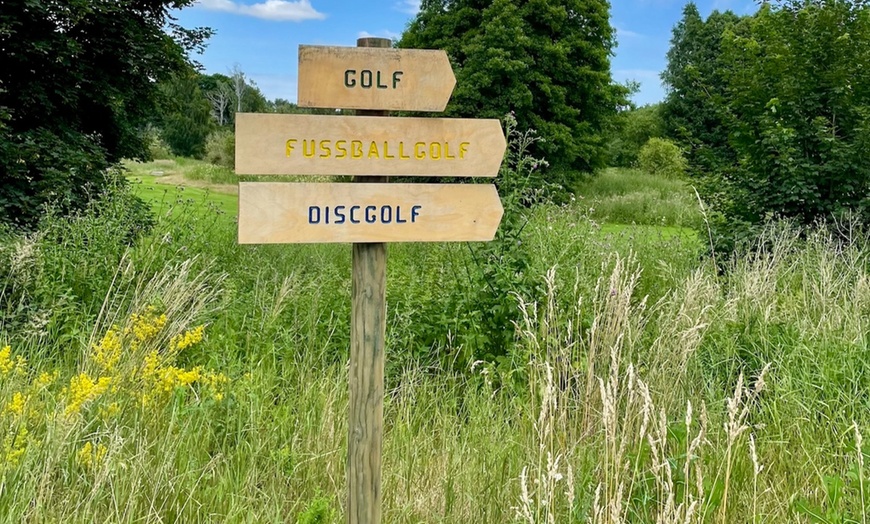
(372, 78)
(270, 144)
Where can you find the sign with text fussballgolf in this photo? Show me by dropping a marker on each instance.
(275, 144)
(373, 78)
(280, 213)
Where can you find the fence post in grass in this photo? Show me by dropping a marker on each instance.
(368, 331)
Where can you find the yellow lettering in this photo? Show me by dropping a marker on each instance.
(356, 149)
(326, 152)
(387, 154)
(402, 154)
(340, 146)
(305, 151)
(420, 150)
(447, 154)
(463, 149)
(288, 147)
(435, 153)
(373, 150)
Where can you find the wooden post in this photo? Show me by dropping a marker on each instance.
(367, 334)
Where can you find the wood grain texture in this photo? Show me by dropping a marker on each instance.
(366, 423)
(368, 341)
(281, 213)
(370, 78)
(274, 144)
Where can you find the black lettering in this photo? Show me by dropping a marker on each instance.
(365, 79)
(381, 86)
(397, 77)
(348, 80)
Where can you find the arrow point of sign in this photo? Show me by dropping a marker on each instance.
(445, 70)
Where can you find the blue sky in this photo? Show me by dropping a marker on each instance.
(262, 36)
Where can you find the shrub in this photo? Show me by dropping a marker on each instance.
(662, 157)
(220, 148)
(158, 149)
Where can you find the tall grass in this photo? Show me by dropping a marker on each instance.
(642, 386)
(630, 196)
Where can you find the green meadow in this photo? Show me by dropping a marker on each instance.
(592, 366)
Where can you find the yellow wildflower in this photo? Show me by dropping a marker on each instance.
(6, 362)
(215, 384)
(45, 379)
(16, 405)
(108, 351)
(151, 364)
(146, 326)
(186, 339)
(82, 389)
(110, 411)
(90, 455)
(14, 447)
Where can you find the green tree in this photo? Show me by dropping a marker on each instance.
(693, 111)
(78, 84)
(186, 115)
(546, 61)
(632, 129)
(800, 131)
(230, 94)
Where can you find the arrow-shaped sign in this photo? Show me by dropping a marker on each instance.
(273, 144)
(372, 78)
(279, 213)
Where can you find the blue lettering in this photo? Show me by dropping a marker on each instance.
(313, 211)
(353, 219)
(386, 214)
(399, 216)
(415, 211)
(371, 214)
(339, 215)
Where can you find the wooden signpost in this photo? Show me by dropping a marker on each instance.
(367, 78)
(370, 146)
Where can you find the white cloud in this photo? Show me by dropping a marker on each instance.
(383, 34)
(411, 7)
(279, 10)
(625, 33)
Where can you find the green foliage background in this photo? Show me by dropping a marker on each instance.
(76, 89)
(772, 110)
(535, 59)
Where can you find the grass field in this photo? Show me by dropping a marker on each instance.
(598, 369)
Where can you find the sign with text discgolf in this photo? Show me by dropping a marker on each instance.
(277, 213)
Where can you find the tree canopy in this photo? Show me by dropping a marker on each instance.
(546, 61)
(79, 83)
(773, 110)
